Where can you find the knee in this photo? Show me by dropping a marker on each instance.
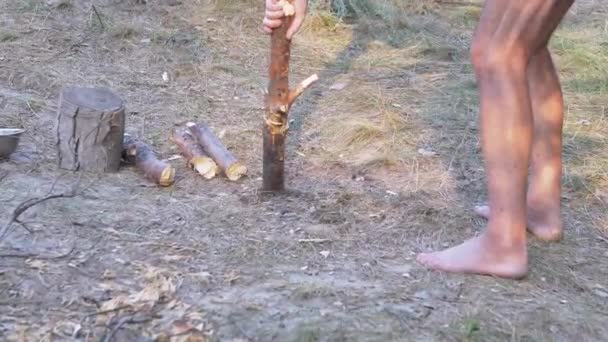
(499, 57)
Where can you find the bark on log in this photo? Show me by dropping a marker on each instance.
(278, 102)
(139, 153)
(216, 150)
(90, 128)
(196, 158)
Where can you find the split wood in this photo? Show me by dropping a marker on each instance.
(212, 145)
(196, 158)
(144, 158)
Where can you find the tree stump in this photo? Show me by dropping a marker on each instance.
(90, 130)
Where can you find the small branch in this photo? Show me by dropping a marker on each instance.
(458, 3)
(38, 256)
(313, 240)
(103, 26)
(103, 312)
(24, 206)
(22, 224)
(297, 91)
(130, 319)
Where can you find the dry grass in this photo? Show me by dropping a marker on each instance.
(8, 36)
(377, 134)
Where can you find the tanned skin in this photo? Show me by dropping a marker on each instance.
(521, 126)
(521, 120)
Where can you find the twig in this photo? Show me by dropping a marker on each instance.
(233, 321)
(22, 224)
(458, 3)
(78, 43)
(130, 319)
(313, 240)
(38, 256)
(24, 206)
(97, 313)
(20, 303)
(299, 89)
(103, 26)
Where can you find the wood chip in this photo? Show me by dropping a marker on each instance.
(313, 240)
(338, 86)
(427, 152)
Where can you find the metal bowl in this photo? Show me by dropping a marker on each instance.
(9, 139)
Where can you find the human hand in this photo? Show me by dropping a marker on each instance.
(275, 12)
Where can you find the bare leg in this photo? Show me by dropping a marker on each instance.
(507, 128)
(543, 199)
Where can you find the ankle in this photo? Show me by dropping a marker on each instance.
(543, 210)
(538, 200)
(507, 239)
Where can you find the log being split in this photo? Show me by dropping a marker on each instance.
(278, 102)
(160, 172)
(195, 156)
(216, 150)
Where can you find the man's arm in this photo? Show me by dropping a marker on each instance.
(274, 14)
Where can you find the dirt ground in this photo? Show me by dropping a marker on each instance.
(384, 162)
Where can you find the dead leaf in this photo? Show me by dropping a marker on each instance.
(115, 303)
(160, 287)
(181, 327)
(67, 329)
(109, 286)
(427, 152)
(338, 86)
(175, 157)
(173, 304)
(231, 277)
(108, 274)
(195, 337)
(36, 264)
(170, 258)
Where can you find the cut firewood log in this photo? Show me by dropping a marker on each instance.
(216, 150)
(278, 102)
(139, 153)
(196, 158)
(90, 128)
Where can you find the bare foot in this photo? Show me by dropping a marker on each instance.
(481, 255)
(547, 226)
